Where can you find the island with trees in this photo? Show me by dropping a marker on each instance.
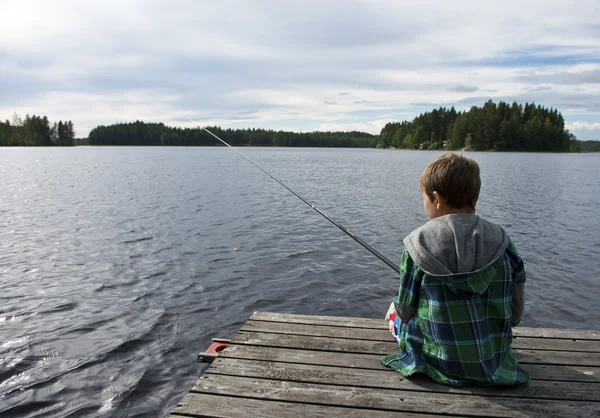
(36, 131)
(140, 133)
(492, 127)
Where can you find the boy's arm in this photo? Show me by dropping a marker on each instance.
(518, 300)
(518, 303)
(407, 298)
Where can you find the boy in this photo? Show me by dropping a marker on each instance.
(461, 287)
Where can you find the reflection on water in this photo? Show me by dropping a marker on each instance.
(118, 265)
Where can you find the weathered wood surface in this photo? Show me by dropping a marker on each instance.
(382, 324)
(539, 389)
(300, 365)
(382, 348)
(568, 373)
(203, 405)
(385, 399)
(384, 335)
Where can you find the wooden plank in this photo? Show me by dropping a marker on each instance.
(570, 334)
(203, 405)
(318, 330)
(334, 321)
(315, 343)
(383, 348)
(383, 379)
(371, 362)
(557, 357)
(337, 321)
(389, 400)
(562, 373)
(555, 344)
(384, 335)
(360, 361)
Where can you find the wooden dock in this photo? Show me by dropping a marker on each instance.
(283, 365)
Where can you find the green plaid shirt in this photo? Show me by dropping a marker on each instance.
(461, 333)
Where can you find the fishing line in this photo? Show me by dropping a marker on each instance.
(340, 226)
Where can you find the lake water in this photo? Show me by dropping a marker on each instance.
(117, 265)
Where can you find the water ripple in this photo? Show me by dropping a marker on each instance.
(118, 264)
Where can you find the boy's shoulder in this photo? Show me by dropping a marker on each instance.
(455, 221)
(456, 244)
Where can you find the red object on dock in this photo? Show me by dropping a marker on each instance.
(213, 351)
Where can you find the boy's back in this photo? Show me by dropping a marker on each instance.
(461, 291)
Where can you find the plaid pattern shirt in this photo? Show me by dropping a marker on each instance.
(461, 333)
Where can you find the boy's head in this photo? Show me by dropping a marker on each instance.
(450, 184)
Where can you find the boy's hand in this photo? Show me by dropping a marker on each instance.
(391, 309)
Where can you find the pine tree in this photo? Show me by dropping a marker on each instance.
(61, 134)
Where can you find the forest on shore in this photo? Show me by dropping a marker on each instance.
(492, 127)
(36, 131)
(141, 133)
(588, 146)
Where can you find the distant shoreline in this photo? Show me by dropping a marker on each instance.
(310, 147)
(496, 128)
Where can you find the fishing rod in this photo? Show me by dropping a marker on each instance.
(340, 226)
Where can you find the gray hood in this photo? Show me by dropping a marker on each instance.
(456, 244)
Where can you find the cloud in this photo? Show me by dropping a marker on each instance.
(583, 126)
(460, 88)
(539, 88)
(584, 130)
(284, 65)
(424, 104)
(573, 77)
(374, 126)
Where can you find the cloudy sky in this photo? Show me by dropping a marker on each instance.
(295, 65)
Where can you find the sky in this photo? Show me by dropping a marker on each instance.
(295, 65)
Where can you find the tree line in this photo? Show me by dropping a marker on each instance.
(36, 131)
(153, 134)
(498, 127)
(587, 146)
